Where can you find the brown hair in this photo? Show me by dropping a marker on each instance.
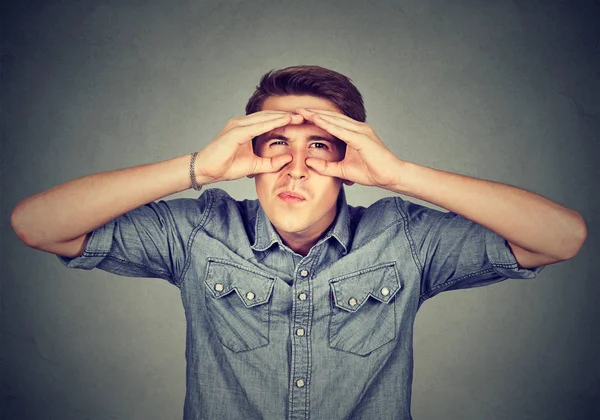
(310, 80)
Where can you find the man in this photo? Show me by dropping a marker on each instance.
(297, 304)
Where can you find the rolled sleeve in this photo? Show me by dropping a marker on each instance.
(96, 249)
(504, 261)
(454, 252)
(149, 241)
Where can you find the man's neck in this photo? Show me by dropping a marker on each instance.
(300, 243)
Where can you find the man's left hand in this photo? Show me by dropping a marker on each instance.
(368, 161)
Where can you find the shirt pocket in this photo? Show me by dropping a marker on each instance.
(363, 316)
(238, 304)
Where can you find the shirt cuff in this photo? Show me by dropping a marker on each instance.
(96, 249)
(503, 260)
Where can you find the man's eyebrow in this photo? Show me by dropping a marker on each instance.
(313, 137)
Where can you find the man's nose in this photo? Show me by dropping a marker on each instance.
(297, 167)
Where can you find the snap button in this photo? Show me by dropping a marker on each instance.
(219, 287)
(300, 332)
(302, 296)
(352, 302)
(300, 383)
(304, 273)
(385, 291)
(250, 296)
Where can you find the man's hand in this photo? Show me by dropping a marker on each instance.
(539, 231)
(368, 161)
(230, 156)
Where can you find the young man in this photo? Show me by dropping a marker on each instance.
(297, 304)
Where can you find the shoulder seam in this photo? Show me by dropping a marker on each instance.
(409, 237)
(209, 204)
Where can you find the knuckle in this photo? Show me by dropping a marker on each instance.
(233, 122)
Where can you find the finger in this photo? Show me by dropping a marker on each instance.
(274, 164)
(352, 138)
(325, 167)
(308, 115)
(347, 124)
(248, 132)
(260, 117)
(333, 114)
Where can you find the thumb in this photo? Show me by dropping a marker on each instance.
(273, 164)
(324, 167)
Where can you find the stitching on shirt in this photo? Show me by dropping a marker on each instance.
(292, 379)
(125, 262)
(257, 234)
(422, 268)
(257, 229)
(312, 269)
(95, 253)
(192, 238)
(363, 271)
(346, 231)
(259, 238)
(241, 267)
(445, 285)
(394, 223)
(107, 256)
(370, 292)
(409, 238)
(428, 293)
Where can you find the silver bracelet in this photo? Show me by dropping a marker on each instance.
(193, 173)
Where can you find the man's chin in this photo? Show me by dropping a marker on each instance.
(293, 228)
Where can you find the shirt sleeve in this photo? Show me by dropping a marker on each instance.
(149, 241)
(454, 252)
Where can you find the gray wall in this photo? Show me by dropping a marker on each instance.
(501, 90)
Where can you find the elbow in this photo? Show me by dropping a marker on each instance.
(577, 235)
(19, 224)
(16, 223)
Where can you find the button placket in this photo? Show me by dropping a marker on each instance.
(301, 321)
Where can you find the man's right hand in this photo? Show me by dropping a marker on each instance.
(58, 220)
(231, 156)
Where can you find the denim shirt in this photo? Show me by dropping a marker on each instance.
(275, 335)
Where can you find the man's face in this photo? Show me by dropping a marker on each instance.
(297, 200)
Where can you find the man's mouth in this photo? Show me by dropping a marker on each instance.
(290, 197)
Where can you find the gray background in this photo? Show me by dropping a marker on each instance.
(501, 90)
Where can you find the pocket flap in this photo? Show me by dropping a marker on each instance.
(351, 291)
(253, 287)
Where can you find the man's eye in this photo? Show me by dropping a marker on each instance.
(320, 146)
(277, 143)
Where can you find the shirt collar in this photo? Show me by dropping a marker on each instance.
(265, 234)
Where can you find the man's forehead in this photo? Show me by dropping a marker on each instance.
(289, 103)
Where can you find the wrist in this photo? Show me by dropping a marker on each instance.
(195, 175)
(403, 173)
(426, 183)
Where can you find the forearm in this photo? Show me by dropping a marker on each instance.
(77, 207)
(521, 217)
